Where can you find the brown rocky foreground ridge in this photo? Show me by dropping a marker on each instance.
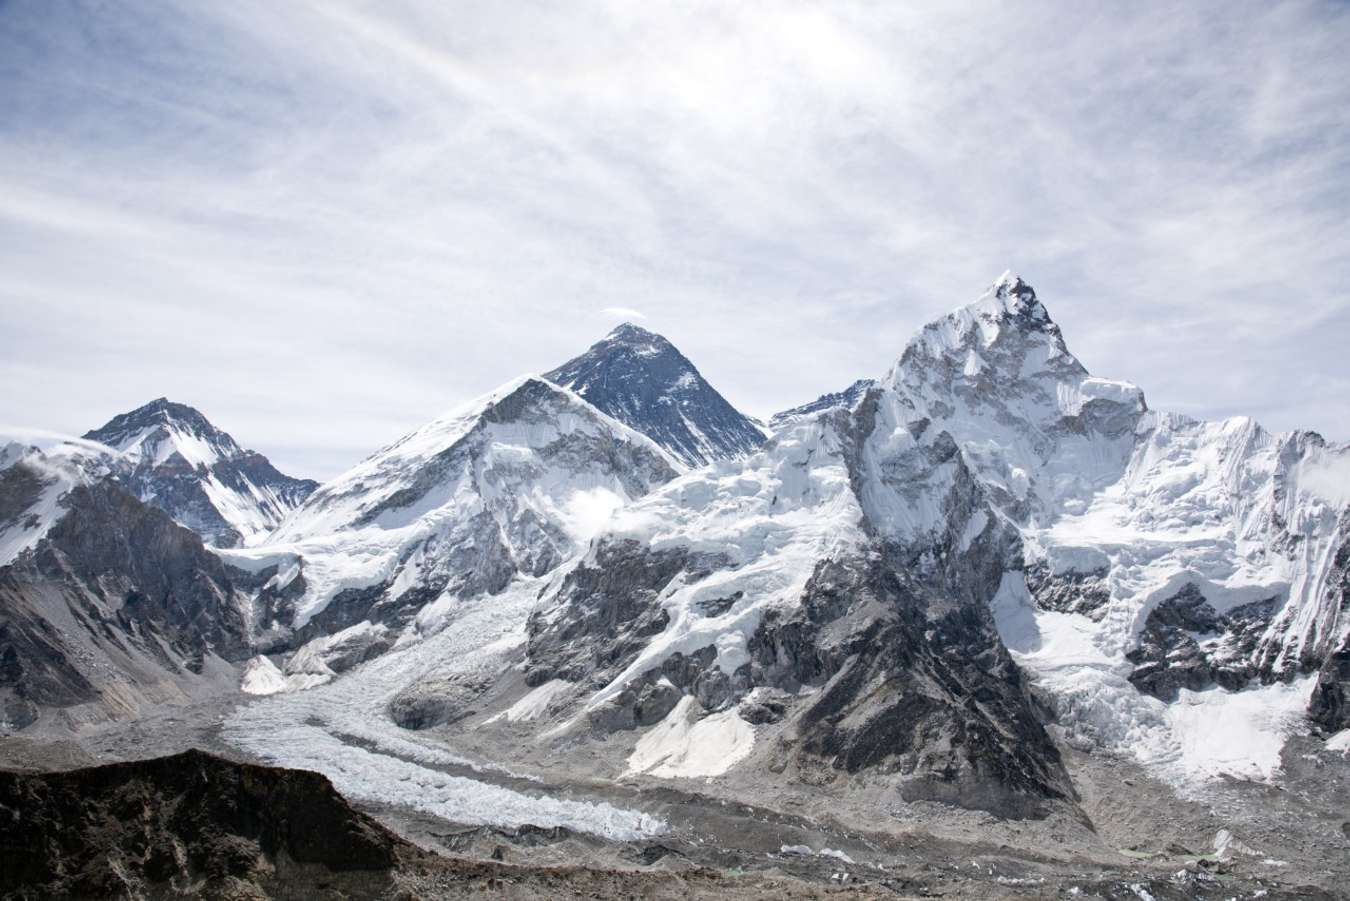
(194, 825)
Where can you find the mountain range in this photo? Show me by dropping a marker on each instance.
(934, 580)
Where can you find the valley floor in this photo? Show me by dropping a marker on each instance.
(739, 837)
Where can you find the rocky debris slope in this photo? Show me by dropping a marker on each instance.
(116, 606)
(192, 826)
(642, 380)
(510, 485)
(170, 456)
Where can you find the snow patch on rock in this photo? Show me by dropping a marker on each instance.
(683, 746)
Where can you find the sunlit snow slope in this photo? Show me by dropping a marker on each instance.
(510, 484)
(834, 601)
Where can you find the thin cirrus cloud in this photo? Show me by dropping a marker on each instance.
(324, 223)
(622, 313)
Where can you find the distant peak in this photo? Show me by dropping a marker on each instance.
(162, 405)
(627, 331)
(160, 411)
(161, 408)
(644, 381)
(998, 329)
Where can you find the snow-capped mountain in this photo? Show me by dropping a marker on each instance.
(175, 459)
(511, 484)
(642, 380)
(1176, 589)
(899, 581)
(109, 601)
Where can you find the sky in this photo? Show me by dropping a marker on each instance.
(324, 223)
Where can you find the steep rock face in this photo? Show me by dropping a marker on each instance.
(190, 825)
(1329, 706)
(1186, 643)
(768, 590)
(33, 485)
(115, 606)
(173, 458)
(510, 485)
(910, 685)
(640, 379)
(1015, 500)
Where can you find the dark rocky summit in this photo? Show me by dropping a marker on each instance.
(191, 825)
(642, 380)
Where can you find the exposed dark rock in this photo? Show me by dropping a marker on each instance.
(1187, 644)
(1329, 706)
(1069, 592)
(115, 594)
(418, 708)
(764, 706)
(925, 693)
(640, 379)
(605, 612)
(655, 700)
(20, 487)
(190, 825)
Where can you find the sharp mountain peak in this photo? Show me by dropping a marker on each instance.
(641, 379)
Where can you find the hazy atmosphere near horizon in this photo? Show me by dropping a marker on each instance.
(323, 223)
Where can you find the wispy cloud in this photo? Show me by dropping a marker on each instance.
(325, 222)
(623, 313)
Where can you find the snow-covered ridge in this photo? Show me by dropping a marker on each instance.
(768, 520)
(1141, 504)
(154, 433)
(513, 482)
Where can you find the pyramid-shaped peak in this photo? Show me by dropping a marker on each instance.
(160, 411)
(642, 380)
(1010, 283)
(1006, 330)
